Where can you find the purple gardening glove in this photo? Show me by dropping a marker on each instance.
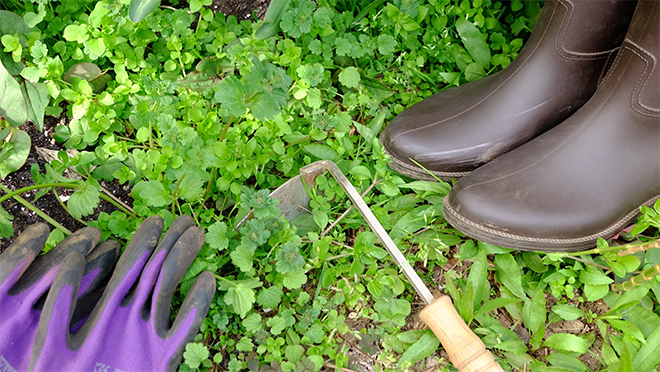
(129, 329)
(23, 284)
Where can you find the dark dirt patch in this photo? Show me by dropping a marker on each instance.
(47, 203)
(242, 9)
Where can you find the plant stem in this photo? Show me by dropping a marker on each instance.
(36, 210)
(119, 206)
(226, 128)
(11, 194)
(324, 233)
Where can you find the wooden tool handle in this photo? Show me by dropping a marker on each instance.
(465, 349)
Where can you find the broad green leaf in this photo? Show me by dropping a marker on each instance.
(627, 328)
(83, 201)
(595, 292)
(11, 23)
(269, 298)
(424, 347)
(478, 278)
(633, 296)
(241, 296)
(315, 333)
(648, 356)
(195, 354)
(295, 279)
(252, 323)
(153, 193)
(216, 236)
(495, 304)
(294, 353)
(271, 25)
(534, 314)
(323, 152)
(242, 258)
(32, 19)
(646, 320)
(89, 72)
(509, 274)
(190, 188)
(12, 103)
(140, 9)
(14, 153)
(568, 312)
(594, 276)
(474, 41)
(534, 262)
(6, 227)
(245, 344)
(37, 100)
(350, 77)
(567, 362)
(567, 342)
(277, 324)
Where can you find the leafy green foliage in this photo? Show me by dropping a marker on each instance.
(14, 152)
(206, 120)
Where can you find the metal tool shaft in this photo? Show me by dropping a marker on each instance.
(374, 224)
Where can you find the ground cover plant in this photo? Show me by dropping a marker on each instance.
(197, 113)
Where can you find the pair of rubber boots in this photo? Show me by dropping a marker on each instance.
(572, 127)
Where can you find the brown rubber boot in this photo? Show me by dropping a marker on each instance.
(457, 130)
(585, 178)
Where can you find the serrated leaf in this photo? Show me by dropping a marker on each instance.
(245, 344)
(190, 188)
(153, 193)
(242, 258)
(295, 279)
(12, 103)
(140, 9)
(241, 298)
(216, 236)
(83, 201)
(269, 298)
(252, 323)
(195, 354)
(315, 333)
(14, 153)
(277, 324)
(424, 347)
(289, 259)
(350, 77)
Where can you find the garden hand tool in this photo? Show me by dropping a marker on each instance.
(465, 349)
(585, 178)
(24, 280)
(459, 129)
(129, 329)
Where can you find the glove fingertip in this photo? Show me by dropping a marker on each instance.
(24, 249)
(60, 302)
(199, 298)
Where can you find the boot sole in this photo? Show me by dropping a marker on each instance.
(526, 243)
(417, 172)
